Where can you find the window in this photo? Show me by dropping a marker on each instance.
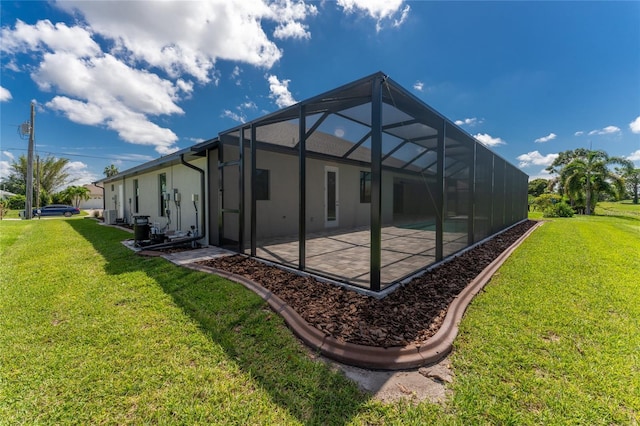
(262, 184)
(365, 187)
(162, 177)
(136, 193)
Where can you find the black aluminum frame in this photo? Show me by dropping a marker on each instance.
(374, 90)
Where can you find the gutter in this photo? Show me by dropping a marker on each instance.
(203, 226)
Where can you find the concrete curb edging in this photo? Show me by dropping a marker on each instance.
(392, 358)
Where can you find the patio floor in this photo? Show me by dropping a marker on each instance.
(345, 256)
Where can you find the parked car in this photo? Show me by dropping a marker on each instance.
(56, 210)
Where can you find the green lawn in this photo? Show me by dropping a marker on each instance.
(93, 334)
(15, 214)
(624, 209)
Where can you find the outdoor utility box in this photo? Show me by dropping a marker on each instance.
(141, 228)
(110, 217)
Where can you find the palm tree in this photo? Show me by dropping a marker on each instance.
(77, 194)
(110, 170)
(52, 175)
(584, 174)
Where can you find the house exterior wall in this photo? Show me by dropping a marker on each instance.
(178, 176)
(95, 198)
(278, 216)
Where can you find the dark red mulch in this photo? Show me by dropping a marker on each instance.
(409, 315)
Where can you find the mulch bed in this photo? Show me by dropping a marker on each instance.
(410, 315)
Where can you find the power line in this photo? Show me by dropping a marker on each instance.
(77, 155)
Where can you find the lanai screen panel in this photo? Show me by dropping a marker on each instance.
(410, 188)
(499, 177)
(458, 181)
(483, 197)
(510, 183)
(228, 193)
(275, 187)
(338, 192)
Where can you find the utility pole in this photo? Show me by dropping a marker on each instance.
(28, 211)
(37, 202)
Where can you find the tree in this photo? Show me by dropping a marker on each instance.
(585, 174)
(110, 170)
(52, 175)
(4, 207)
(537, 187)
(76, 194)
(631, 177)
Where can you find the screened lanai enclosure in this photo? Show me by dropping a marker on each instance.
(364, 184)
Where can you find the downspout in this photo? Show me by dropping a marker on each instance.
(203, 221)
(103, 201)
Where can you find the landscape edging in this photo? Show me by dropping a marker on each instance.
(393, 358)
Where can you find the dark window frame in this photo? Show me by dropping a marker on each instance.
(263, 185)
(162, 188)
(136, 195)
(365, 187)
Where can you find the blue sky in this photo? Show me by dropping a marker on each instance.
(125, 82)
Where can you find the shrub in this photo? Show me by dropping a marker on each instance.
(560, 209)
(545, 201)
(17, 202)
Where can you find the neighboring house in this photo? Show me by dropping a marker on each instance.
(5, 194)
(95, 198)
(365, 185)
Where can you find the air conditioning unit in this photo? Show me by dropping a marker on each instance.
(110, 217)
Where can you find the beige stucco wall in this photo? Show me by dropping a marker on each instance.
(278, 216)
(180, 177)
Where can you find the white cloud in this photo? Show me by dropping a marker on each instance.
(248, 105)
(605, 131)
(549, 137)
(635, 156)
(468, 122)
(79, 173)
(488, 140)
(219, 29)
(5, 169)
(380, 10)
(196, 140)
(235, 75)
(140, 158)
(135, 128)
(77, 111)
(107, 81)
(578, 133)
(635, 125)
(419, 86)
(239, 117)
(24, 38)
(536, 159)
(5, 95)
(119, 89)
(289, 16)
(542, 174)
(9, 155)
(279, 91)
(403, 17)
